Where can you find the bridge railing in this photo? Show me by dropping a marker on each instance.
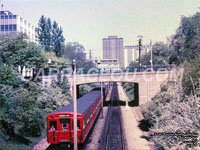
(144, 68)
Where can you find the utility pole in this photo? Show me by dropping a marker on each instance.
(75, 104)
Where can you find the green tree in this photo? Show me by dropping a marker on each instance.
(9, 45)
(75, 51)
(58, 39)
(41, 31)
(14, 50)
(30, 56)
(20, 114)
(50, 36)
(160, 52)
(8, 77)
(186, 40)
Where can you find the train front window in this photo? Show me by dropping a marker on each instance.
(78, 125)
(53, 125)
(65, 123)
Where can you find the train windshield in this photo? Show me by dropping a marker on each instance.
(78, 125)
(65, 124)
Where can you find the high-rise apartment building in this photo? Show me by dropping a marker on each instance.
(113, 49)
(11, 23)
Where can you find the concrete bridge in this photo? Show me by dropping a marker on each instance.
(146, 84)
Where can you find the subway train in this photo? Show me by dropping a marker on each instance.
(60, 122)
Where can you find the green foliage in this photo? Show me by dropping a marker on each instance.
(20, 114)
(75, 51)
(85, 88)
(53, 97)
(186, 41)
(50, 36)
(58, 40)
(8, 77)
(14, 50)
(172, 112)
(129, 89)
(191, 76)
(32, 55)
(133, 64)
(9, 45)
(56, 62)
(160, 54)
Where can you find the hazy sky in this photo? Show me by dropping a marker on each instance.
(88, 21)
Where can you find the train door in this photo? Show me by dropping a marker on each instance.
(52, 129)
(65, 132)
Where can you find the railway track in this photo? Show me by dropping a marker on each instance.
(114, 136)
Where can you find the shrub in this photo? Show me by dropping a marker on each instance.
(172, 112)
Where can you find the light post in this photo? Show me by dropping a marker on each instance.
(139, 45)
(98, 63)
(151, 56)
(75, 104)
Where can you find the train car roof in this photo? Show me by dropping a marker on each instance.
(83, 103)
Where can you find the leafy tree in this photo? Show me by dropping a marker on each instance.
(14, 50)
(186, 40)
(160, 52)
(9, 45)
(19, 113)
(32, 55)
(75, 51)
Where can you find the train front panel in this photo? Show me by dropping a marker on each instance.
(60, 128)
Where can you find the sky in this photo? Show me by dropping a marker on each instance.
(89, 21)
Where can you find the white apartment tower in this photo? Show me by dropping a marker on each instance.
(11, 23)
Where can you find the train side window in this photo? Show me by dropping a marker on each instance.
(65, 124)
(91, 114)
(87, 117)
(53, 125)
(83, 123)
(78, 124)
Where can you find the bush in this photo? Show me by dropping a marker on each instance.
(8, 77)
(172, 112)
(20, 114)
(52, 97)
(191, 76)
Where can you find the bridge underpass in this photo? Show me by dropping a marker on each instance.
(147, 83)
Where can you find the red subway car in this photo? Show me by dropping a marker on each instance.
(60, 122)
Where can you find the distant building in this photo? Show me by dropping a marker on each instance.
(11, 23)
(108, 64)
(131, 53)
(113, 49)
